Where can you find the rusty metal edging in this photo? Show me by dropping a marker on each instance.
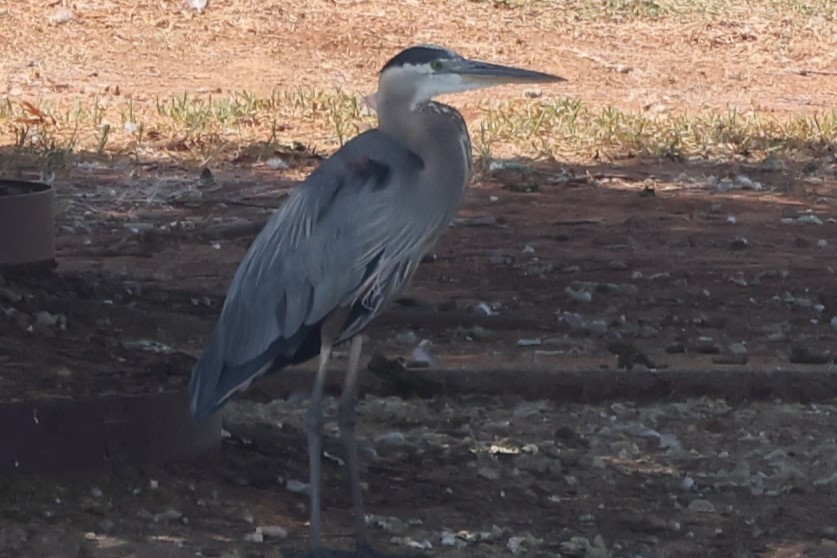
(62, 435)
(27, 223)
(582, 386)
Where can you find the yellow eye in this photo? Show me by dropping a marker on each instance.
(437, 65)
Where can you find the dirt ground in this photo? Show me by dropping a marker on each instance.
(596, 264)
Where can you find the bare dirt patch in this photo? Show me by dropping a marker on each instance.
(579, 265)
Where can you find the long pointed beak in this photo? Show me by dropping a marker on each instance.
(485, 72)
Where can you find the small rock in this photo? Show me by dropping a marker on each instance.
(747, 183)
(515, 545)
(297, 487)
(10, 295)
(392, 439)
(411, 543)
(406, 338)
(578, 295)
(581, 547)
(738, 348)
(738, 280)
(808, 219)
(390, 524)
(478, 332)
(576, 322)
(492, 534)
(448, 538)
(198, 5)
(272, 531)
(659, 276)
(276, 163)
(701, 506)
(422, 357)
(45, 318)
(489, 473)
(830, 480)
(739, 243)
(484, 309)
(60, 15)
(500, 259)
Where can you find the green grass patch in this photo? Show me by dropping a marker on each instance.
(545, 129)
(188, 126)
(208, 128)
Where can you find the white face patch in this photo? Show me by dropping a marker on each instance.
(426, 83)
(433, 85)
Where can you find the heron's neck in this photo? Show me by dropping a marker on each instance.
(435, 132)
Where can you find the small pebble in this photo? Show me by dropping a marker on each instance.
(701, 506)
(489, 473)
(276, 163)
(297, 487)
(392, 439)
(272, 531)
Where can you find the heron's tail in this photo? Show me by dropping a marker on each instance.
(203, 386)
(214, 381)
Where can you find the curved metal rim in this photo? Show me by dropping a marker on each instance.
(37, 188)
(27, 228)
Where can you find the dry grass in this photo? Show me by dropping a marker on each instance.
(211, 129)
(171, 83)
(621, 10)
(570, 128)
(189, 128)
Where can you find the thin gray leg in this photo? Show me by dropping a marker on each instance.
(314, 431)
(346, 416)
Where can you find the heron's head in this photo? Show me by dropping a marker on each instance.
(423, 72)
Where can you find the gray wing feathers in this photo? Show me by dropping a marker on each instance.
(314, 253)
(354, 231)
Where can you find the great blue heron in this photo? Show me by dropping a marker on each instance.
(345, 244)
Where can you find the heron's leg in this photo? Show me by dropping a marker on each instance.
(346, 416)
(314, 432)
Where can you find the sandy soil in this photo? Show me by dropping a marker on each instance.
(722, 265)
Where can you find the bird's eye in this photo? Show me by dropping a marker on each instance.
(437, 65)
